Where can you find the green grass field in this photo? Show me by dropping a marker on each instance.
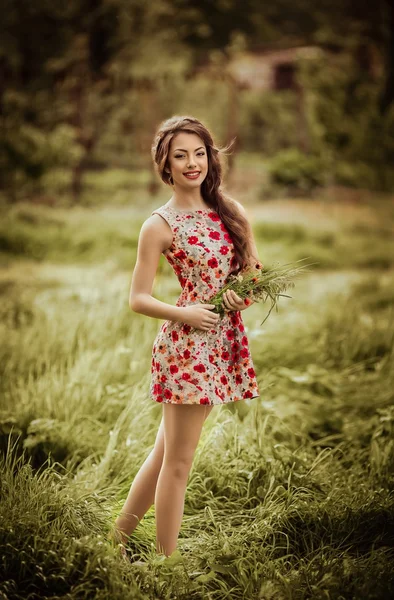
(290, 495)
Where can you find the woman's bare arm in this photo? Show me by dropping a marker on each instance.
(155, 236)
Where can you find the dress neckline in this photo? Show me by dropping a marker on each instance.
(189, 211)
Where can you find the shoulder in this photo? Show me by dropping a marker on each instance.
(156, 227)
(155, 222)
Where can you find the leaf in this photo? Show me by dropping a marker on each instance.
(174, 559)
(222, 568)
(206, 577)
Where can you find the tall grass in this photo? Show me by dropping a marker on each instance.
(290, 495)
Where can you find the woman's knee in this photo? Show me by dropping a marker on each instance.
(178, 465)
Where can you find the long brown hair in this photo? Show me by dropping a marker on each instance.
(236, 224)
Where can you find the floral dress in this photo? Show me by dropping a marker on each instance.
(201, 367)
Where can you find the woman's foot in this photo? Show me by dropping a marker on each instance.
(119, 539)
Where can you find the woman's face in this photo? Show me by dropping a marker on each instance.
(187, 154)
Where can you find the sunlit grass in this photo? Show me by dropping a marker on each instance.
(290, 494)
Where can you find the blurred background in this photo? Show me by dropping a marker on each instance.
(291, 494)
(306, 90)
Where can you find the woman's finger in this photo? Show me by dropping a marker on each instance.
(225, 301)
(237, 299)
(228, 300)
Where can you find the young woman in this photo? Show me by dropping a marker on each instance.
(198, 361)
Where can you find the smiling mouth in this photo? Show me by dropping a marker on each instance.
(192, 174)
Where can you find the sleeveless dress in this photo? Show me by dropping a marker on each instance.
(201, 367)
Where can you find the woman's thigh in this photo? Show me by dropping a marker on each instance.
(182, 430)
(160, 441)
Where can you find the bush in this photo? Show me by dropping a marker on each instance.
(298, 172)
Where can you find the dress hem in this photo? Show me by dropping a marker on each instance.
(208, 404)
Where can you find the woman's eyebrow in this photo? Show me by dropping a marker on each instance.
(177, 149)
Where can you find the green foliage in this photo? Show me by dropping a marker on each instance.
(29, 151)
(58, 531)
(86, 88)
(296, 171)
(268, 121)
(353, 139)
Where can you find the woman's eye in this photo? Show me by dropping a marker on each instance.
(181, 155)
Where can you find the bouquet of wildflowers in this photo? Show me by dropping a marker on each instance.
(257, 283)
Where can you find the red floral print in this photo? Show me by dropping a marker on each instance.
(213, 367)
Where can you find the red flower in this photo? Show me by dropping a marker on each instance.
(238, 378)
(180, 254)
(230, 368)
(213, 216)
(199, 368)
(235, 318)
(244, 353)
(157, 388)
(223, 250)
(186, 376)
(227, 238)
(163, 378)
(159, 399)
(224, 379)
(248, 394)
(186, 353)
(174, 335)
(168, 394)
(186, 328)
(214, 235)
(244, 341)
(251, 372)
(204, 400)
(213, 263)
(230, 334)
(218, 393)
(225, 355)
(173, 369)
(192, 239)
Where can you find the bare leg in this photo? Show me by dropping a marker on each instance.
(142, 491)
(182, 429)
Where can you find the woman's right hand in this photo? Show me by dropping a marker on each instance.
(200, 317)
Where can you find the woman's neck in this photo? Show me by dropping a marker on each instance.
(192, 199)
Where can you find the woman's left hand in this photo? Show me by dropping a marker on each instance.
(232, 301)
